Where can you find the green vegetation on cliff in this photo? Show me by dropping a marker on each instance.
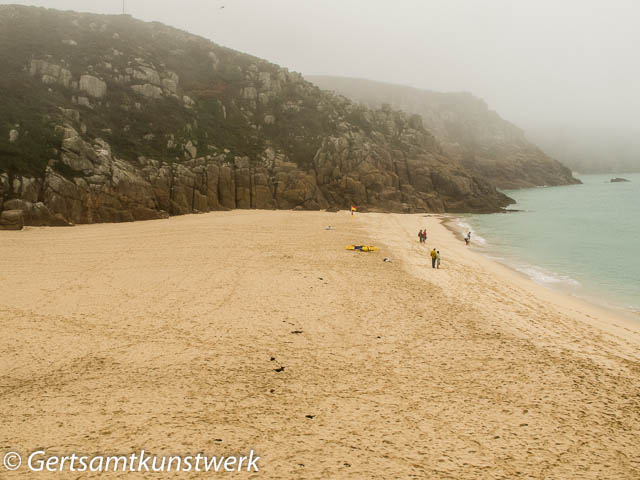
(107, 118)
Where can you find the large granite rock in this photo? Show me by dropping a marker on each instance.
(11, 220)
(148, 90)
(50, 73)
(36, 214)
(93, 86)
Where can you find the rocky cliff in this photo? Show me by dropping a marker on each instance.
(468, 131)
(106, 118)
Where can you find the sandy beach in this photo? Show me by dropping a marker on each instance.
(255, 330)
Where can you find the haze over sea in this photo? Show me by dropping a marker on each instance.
(583, 239)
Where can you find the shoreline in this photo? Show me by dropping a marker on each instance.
(611, 321)
(610, 308)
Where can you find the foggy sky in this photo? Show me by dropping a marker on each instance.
(550, 64)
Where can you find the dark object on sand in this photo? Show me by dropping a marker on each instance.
(309, 416)
(619, 179)
(296, 332)
(281, 369)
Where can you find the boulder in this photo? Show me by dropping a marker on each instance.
(170, 85)
(37, 214)
(182, 191)
(249, 93)
(11, 220)
(142, 213)
(227, 187)
(211, 174)
(148, 90)
(263, 198)
(93, 86)
(191, 149)
(243, 187)
(60, 75)
(147, 75)
(262, 190)
(188, 101)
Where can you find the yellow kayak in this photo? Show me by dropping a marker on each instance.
(363, 248)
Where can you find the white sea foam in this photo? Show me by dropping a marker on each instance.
(465, 227)
(544, 277)
(534, 272)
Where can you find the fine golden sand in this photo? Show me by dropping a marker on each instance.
(166, 336)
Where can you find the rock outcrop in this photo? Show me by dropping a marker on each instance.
(113, 132)
(93, 86)
(468, 131)
(11, 220)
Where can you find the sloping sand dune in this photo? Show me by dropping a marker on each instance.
(166, 336)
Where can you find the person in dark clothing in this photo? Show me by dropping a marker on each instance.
(420, 236)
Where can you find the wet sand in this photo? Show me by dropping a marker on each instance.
(167, 336)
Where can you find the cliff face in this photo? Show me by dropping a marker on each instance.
(106, 118)
(468, 131)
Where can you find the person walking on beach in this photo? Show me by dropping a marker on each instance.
(420, 236)
(438, 259)
(434, 256)
(424, 236)
(467, 239)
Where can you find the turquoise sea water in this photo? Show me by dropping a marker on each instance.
(584, 239)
